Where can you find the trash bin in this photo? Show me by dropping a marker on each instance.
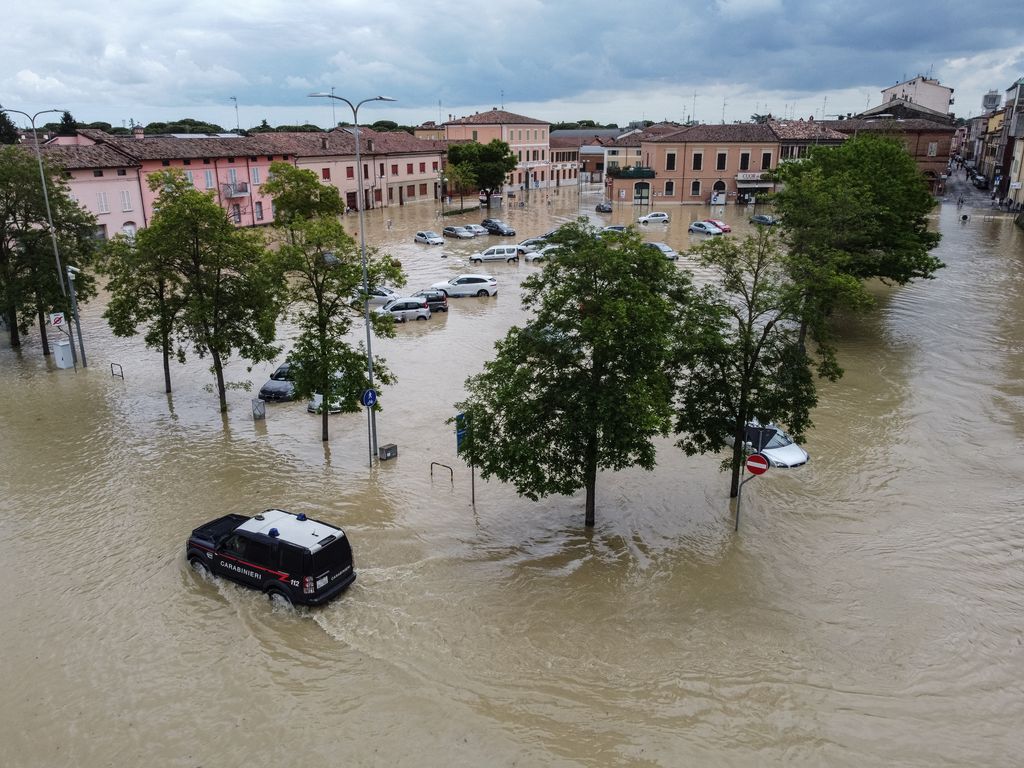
(259, 409)
(62, 355)
(387, 451)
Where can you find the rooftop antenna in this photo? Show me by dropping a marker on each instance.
(502, 98)
(723, 110)
(824, 104)
(693, 112)
(334, 119)
(237, 128)
(439, 119)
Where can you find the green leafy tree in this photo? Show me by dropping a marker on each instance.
(460, 177)
(8, 130)
(67, 125)
(30, 285)
(738, 350)
(145, 290)
(324, 267)
(585, 385)
(298, 194)
(232, 292)
(852, 213)
(490, 163)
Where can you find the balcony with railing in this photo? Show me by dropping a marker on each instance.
(632, 172)
(238, 189)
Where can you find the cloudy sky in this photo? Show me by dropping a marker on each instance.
(550, 59)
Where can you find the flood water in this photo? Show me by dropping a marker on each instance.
(870, 611)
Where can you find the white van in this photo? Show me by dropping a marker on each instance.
(507, 253)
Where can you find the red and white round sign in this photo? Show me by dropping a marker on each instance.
(757, 464)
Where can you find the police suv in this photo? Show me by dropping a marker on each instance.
(284, 555)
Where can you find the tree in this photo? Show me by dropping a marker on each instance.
(8, 130)
(460, 176)
(68, 126)
(738, 351)
(325, 270)
(232, 294)
(30, 286)
(298, 194)
(853, 213)
(490, 163)
(144, 288)
(585, 385)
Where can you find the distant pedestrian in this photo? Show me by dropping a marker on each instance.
(389, 225)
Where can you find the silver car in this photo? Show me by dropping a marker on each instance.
(429, 237)
(406, 308)
(468, 285)
(476, 229)
(460, 232)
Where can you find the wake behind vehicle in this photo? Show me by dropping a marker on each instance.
(286, 556)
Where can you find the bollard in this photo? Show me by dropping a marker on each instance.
(259, 409)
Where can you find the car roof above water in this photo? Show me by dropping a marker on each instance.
(306, 533)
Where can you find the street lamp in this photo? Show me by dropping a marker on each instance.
(46, 199)
(362, 248)
(72, 271)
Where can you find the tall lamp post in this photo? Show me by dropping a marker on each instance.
(46, 199)
(362, 248)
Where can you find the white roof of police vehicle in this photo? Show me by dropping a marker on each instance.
(302, 533)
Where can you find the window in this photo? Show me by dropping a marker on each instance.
(435, 165)
(670, 188)
(474, 138)
(766, 160)
(165, 163)
(350, 172)
(259, 211)
(381, 169)
(423, 167)
(408, 168)
(423, 190)
(97, 172)
(543, 152)
(186, 162)
(101, 202)
(720, 162)
(270, 158)
(698, 161)
(232, 176)
(520, 134)
(236, 213)
(933, 148)
(255, 175)
(231, 159)
(208, 177)
(394, 169)
(695, 188)
(519, 154)
(410, 191)
(188, 175)
(122, 172)
(126, 200)
(325, 174)
(366, 170)
(206, 161)
(744, 161)
(670, 161)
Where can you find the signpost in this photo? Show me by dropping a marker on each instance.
(461, 425)
(369, 399)
(756, 464)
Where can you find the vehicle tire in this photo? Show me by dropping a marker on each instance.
(482, 292)
(445, 294)
(474, 261)
(514, 258)
(278, 595)
(420, 317)
(198, 564)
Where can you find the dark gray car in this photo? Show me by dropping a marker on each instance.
(280, 388)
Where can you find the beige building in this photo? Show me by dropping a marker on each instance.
(527, 137)
(923, 91)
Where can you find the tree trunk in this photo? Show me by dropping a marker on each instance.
(737, 464)
(166, 352)
(218, 369)
(12, 324)
(590, 478)
(43, 337)
(323, 419)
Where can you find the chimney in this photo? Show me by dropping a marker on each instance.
(369, 145)
(138, 132)
(323, 142)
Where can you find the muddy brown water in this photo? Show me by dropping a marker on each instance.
(869, 612)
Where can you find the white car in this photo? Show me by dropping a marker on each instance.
(406, 308)
(772, 443)
(532, 244)
(654, 217)
(380, 295)
(507, 253)
(476, 229)
(543, 253)
(468, 285)
(429, 237)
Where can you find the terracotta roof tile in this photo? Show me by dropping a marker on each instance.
(755, 133)
(79, 156)
(496, 117)
(804, 130)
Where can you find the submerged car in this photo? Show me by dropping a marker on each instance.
(764, 219)
(468, 285)
(603, 207)
(460, 232)
(498, 227)
(703, 228)
(654, 217)
(665, 249)
(720, 224)
(429, 237)
(773, 443)
(280, 388)
(476, 229)
(290, 557)
(406, 308)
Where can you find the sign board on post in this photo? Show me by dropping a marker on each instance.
(56, 319)
(369, 398)
(757, 464)
(460, 430)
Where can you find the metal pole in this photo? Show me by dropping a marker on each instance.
(362, 250)
(74, 310)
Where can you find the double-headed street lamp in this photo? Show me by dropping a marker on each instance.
(362, 248)
(49, 215)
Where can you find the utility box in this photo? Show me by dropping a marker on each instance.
(62, 354)
(259, 409)
(387, 451)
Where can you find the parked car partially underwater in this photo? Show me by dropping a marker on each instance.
(773, 443)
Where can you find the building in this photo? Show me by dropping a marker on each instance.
(922, 91)
(527, 137)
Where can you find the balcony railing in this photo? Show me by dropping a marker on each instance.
(238, 189)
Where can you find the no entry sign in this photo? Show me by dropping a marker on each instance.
(757, 464)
